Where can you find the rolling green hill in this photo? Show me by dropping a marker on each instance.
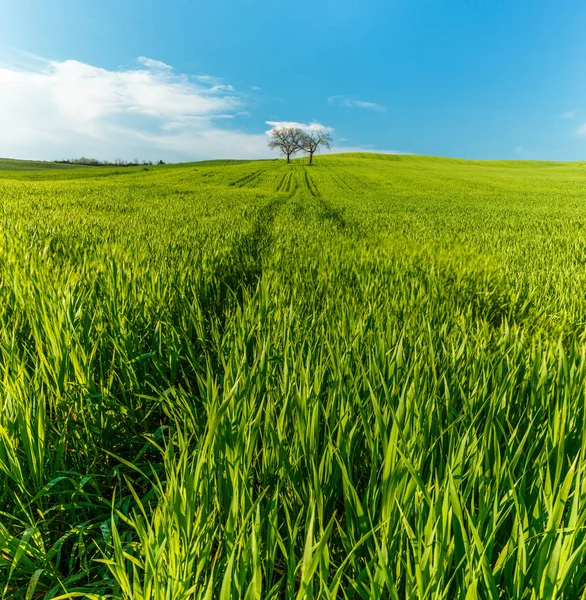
(361, 379)
(10, 164)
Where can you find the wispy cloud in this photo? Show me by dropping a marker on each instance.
(569, 115)
(348, 102)
(581, 130)
(54, 109)
(207, 79)
(150, 63)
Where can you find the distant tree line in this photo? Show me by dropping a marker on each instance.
(290, 140)
(119, 162)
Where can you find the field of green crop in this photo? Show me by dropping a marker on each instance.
(364, 379)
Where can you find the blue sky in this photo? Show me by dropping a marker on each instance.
(189, 80)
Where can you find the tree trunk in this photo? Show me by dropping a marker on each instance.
(311, 158)
(288, 158)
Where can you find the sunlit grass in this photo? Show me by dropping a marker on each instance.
(364, 379)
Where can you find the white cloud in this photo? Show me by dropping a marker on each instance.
(571, 114)
(150, 63)
(347, 102)
(581, 131)
(335, 149)
(221, 88)
(306, 127)
(62, 109)
(207, 78)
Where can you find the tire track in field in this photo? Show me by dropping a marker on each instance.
(247, 180)
(342, 184)
(310, 186)
(262, 233)
(251, 248)
(284, 184)
(243, 267)
(325, 210)
(239, 272)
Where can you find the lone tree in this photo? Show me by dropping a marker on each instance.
(311, 141)
(286, 139)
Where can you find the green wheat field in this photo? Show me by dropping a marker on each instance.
(364, 379)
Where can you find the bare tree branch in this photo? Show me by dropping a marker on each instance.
(286, 140)
(310, 142)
